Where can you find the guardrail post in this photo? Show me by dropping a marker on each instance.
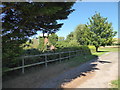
(84, 52)
(23, 63)
(60, 56)
(76, 52)
(45, 60)
(69, 54)
(81, 52)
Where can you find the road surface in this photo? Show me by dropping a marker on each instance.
(96, 73)
(106, 71)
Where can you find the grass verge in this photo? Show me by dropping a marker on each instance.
(103, 50)
(115, 84)
(84, 58)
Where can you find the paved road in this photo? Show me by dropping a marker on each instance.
(108, 70)
(93, 74)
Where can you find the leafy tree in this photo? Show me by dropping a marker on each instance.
(82, 34)
(70, 36)
(53, 38)
(61, 38)
(41, 43)
(23, 19)
(35, 43)
(101, 31)
(73, 43)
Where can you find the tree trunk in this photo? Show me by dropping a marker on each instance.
(97, 49)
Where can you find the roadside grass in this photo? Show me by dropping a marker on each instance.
(112, 49)
(103, 50)
(84, 58)
(115, 84)
(81, 59)
(75, 61)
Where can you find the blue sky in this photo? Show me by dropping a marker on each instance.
(84, 10)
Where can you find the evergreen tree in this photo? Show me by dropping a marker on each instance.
(23, 19)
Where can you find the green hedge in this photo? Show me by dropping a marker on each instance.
(61, 46)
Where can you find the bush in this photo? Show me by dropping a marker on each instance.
(61, 46)
(32, 51)
(92, 48)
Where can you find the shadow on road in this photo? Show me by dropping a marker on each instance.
(104, 62)
(102, 51)
(79, 71)
(69, 75)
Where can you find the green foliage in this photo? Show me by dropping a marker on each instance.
(61, 38)
(98, 32)
(10, 55)
(69, 46)
(101, 32)
(73, 43)
(61, 44)
(22, 20)
(32, 51)
(41, 44)
(70, 37)
(27, 45)
(53, 38)
(92, 48)
(116, 84)
(35, 43)
(82, 34)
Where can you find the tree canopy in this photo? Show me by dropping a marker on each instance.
(23, 19)
(82, 34)
(101, 31)
(98, 32)
(61, 38)
(70, 36)
(53, 38)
